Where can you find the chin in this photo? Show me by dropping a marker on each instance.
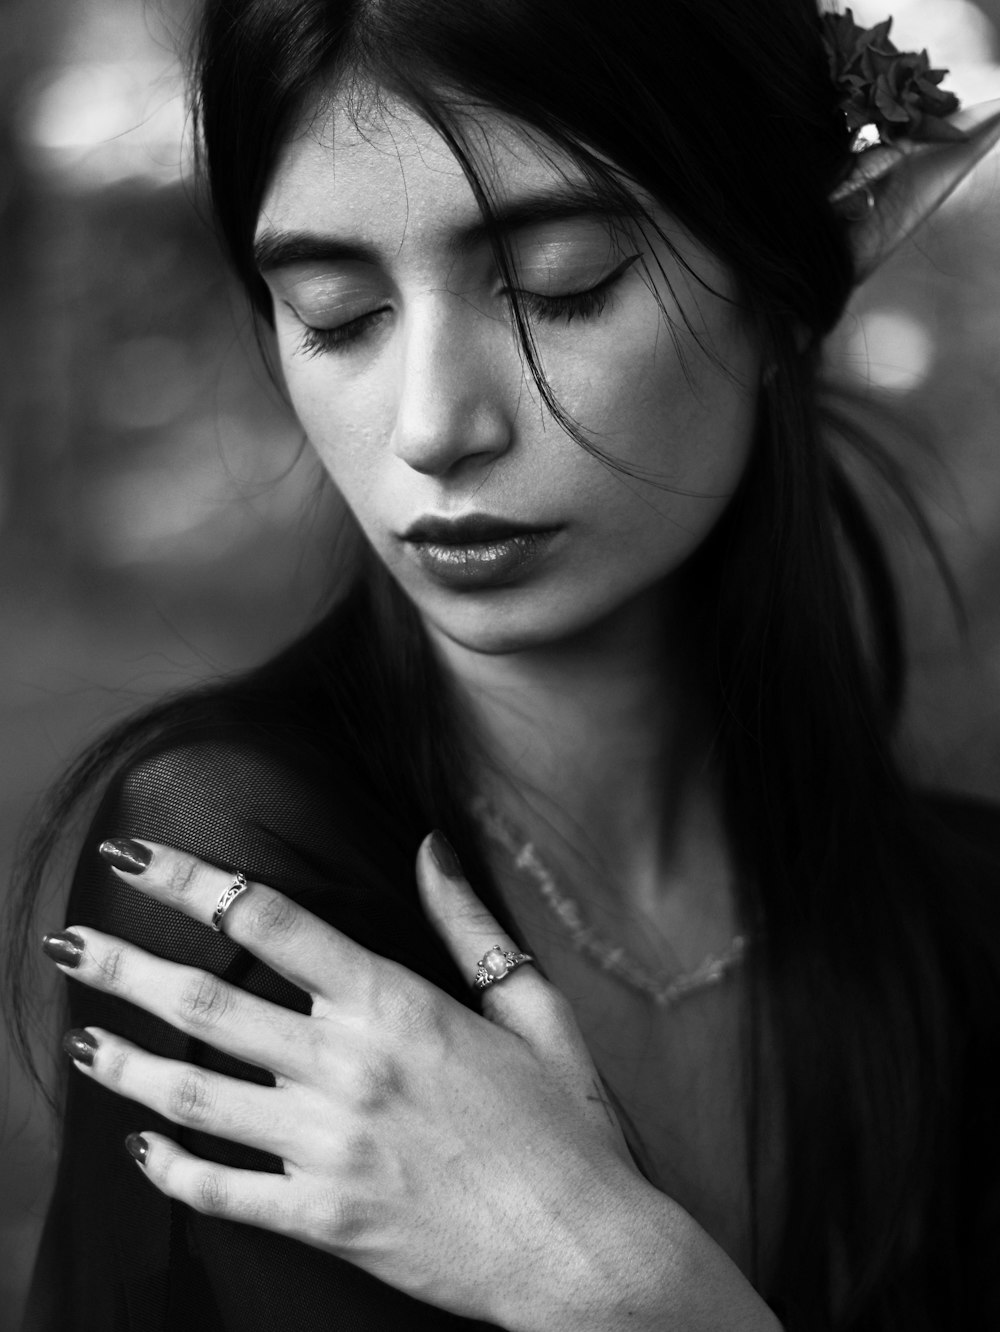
(502, 624)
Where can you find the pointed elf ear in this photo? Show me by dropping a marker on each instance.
(894, 188)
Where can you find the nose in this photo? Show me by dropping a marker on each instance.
(452, 407)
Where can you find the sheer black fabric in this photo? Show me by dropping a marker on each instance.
(117, 1255)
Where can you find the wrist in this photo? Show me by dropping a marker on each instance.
(642, 1263)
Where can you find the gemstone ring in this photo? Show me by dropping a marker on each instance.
(496, 965)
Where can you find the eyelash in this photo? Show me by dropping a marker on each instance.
(575, 305)
(588, 304)
(315, 341)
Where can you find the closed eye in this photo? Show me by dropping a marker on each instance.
(585, 304)
(315, 341)
(565, 306)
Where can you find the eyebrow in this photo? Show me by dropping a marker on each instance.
(284, 249)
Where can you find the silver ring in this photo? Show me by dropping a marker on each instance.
(238, 885)
(496, 965)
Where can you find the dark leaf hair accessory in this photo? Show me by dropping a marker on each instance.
(887, 94)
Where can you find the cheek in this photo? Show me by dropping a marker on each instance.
(342, 419)
(658, 400)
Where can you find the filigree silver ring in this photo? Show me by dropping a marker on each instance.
(238, 885)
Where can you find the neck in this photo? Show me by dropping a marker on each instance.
(604, 739)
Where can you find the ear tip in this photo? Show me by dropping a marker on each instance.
(914, 179)
(980, 131)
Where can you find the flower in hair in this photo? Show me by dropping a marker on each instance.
(887, 94)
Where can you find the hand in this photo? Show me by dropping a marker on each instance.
(473, 1162)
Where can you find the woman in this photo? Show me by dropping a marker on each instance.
(549, 285)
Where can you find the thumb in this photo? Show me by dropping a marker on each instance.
(509, 988)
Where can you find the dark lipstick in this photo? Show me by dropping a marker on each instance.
(477, 551)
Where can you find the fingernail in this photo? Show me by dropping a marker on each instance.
(137, 1147)
(65, 948)
(444, 855)
(81, 1046)
(126, 854)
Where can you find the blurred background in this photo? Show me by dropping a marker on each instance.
(160, 520)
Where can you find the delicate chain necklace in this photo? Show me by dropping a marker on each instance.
(666, 991)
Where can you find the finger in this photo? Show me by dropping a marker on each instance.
(196, 1003)
(253, 1197)
(520, 999)
(183, 1093)
(295, 943)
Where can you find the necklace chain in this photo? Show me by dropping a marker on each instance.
(666, 991)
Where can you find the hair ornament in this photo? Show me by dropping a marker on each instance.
(887, 94)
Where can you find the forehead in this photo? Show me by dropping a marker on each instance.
(381, 169)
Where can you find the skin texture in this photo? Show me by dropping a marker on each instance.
(400, 1152)
(430, 410)
(576, 679)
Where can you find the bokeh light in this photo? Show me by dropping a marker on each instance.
(890, 350)
(94, 123)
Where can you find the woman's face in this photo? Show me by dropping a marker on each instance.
(401, 360)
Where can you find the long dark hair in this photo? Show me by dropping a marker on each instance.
(725, 115)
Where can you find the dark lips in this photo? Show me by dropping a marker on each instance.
(473, 529)
(476, 551)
